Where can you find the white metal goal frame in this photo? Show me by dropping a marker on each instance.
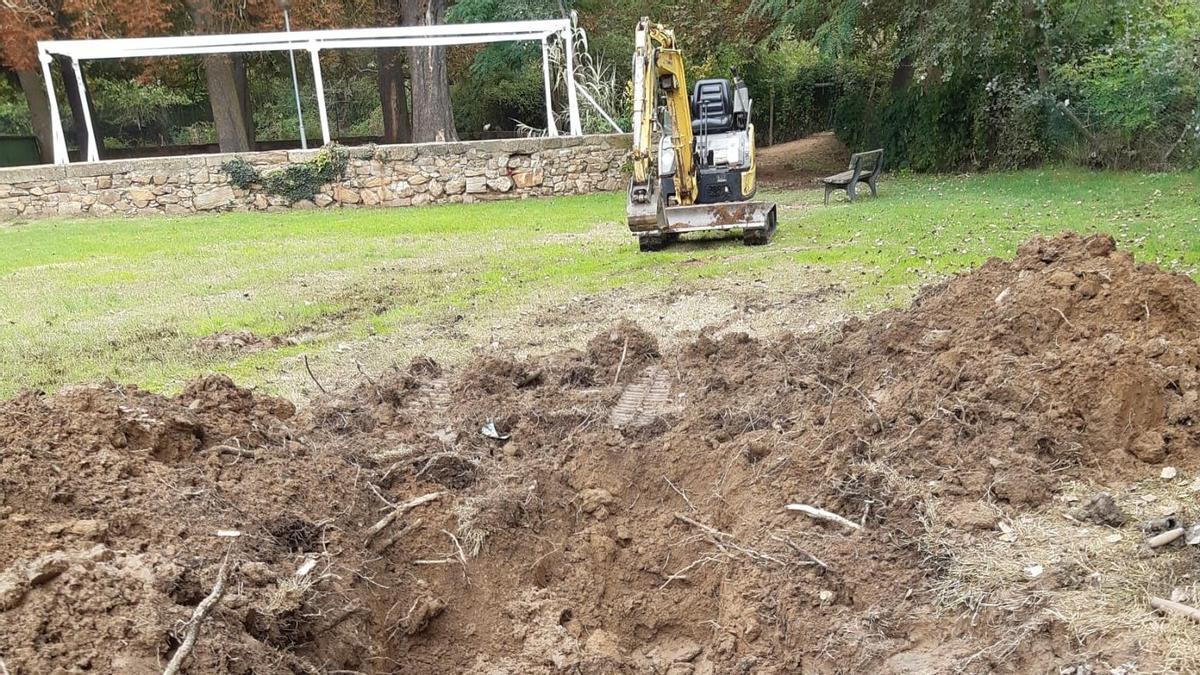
(312, 41)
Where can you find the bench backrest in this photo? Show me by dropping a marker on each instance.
(868, 163)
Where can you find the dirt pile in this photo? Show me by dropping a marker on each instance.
(615, 509)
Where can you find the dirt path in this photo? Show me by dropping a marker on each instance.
(800, 163)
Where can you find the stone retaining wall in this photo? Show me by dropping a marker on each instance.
(386, 175)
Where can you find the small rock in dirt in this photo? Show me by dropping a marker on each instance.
(12, 590)
(603, 644)
(1089, 288)
(1192, 536)
(596, 501)
(1155, 347)
(1150, 447)
(46, 568)
(1101, 509)
(1114, 538)
(425, 609)
(1169, 473)
(256, 573)
(679, 650)
(88, 529)
(1062, 279)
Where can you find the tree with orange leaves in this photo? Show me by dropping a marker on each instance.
(24, 22)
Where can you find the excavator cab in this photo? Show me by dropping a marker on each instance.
(701, 176)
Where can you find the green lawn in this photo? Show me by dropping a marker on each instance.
(128, 299)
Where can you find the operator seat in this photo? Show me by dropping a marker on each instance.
(712, 107)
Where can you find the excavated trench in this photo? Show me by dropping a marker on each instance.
(625, 509)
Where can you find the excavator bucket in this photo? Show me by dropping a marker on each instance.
(655, 225)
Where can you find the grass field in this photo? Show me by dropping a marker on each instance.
(129, 299)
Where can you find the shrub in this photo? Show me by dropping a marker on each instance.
(803, 85)
(297, 182)
(241, 173)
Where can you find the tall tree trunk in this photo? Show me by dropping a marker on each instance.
(39, 111)
(1040, 43)
(230, 101)
(225, 75)
(393, 96)
(75, 101)
(432, 115)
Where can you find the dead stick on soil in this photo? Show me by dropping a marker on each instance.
(795, 547)
(680, 492)
(621, 363)
(387, 543)
(1064, 316)
(822, 514)
(1165, 538)
(202, 610)
(462, 556)
(310, 374)
(1164, 605)
(709, 529)
(400, 510)
(235, 451)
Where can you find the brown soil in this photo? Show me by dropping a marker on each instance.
(241, 341)
(802, 163)
(569, 545)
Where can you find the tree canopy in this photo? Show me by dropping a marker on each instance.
(941, 83)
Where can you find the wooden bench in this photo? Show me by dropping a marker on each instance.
(865, 167)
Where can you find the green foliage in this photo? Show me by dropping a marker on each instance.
(300, 181)
(14, 113)
(241, 173)
(126, 103)
(961, 84)
(802, 83)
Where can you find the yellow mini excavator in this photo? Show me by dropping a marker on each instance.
(702, 174)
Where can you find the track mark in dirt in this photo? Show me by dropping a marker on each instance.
(433, 401)
(644, 400)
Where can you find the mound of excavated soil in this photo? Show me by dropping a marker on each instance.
(623, 512)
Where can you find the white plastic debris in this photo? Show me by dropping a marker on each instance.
(307, 567)
(490, 431)
(1034, 571)
(1169, 473)
(228, 533)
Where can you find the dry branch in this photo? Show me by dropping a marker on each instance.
(395, 537)
(202, 610)
(621, 363)
(1172, 607)
(822, 514)
(313, 377)
(1165, 538)
(400, 510)
(235, 451)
